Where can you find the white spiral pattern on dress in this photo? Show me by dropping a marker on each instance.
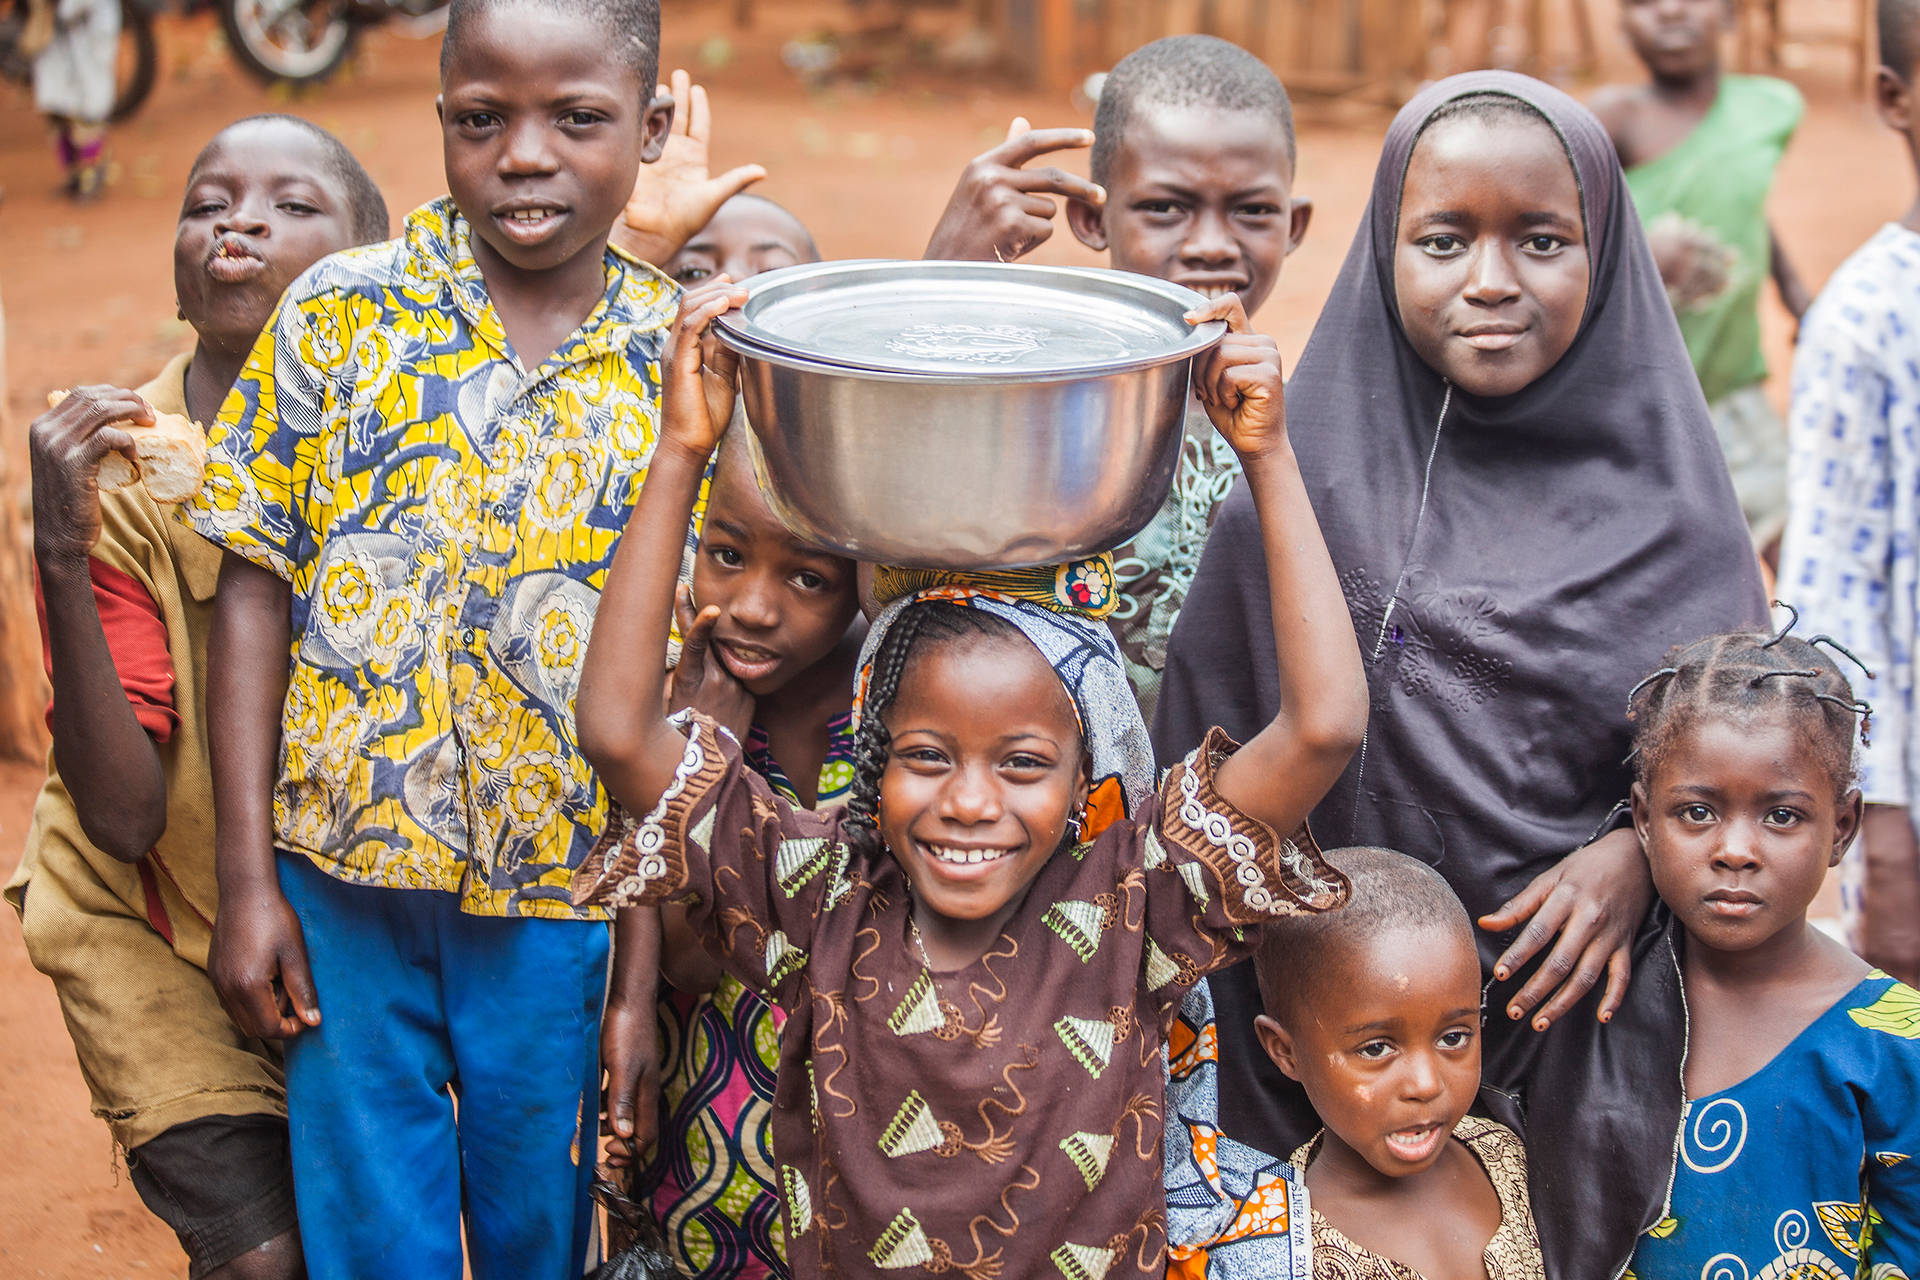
(1713, 1133)
(1721, 1267)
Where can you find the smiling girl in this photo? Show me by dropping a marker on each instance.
(1005, 915)
(1521, 491)
(1803, 1065)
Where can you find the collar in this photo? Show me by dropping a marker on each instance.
(638, 298)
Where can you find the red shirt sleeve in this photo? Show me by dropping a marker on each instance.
(136, 637)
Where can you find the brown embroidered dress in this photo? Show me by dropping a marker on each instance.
(1512, 1254)
(1002, 1120)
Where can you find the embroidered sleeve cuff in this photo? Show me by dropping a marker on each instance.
(637, 863)
(1268, 877)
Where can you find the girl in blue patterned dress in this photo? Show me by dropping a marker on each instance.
(1803, 1064)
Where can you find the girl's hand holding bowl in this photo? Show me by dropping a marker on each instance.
(697, 398)
(1239, 382)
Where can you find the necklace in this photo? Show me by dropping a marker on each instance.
(919, 943)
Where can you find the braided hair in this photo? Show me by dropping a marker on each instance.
(1744, 673)
(920, 627)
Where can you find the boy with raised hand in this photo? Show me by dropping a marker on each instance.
(421, 477)
(116, 888)
(1192, 181)
(1849, 560)
(1700, 149)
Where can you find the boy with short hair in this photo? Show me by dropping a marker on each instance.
(1700, 149)
(1848, 561)
(1375, 1010)
(116, 888)
(420, 478)
(1193, 167)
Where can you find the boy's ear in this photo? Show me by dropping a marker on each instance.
(1298, 219)
(1278, 1044)
(1846, 824)
(1089, 223)
(656, 121)
(1893, 97)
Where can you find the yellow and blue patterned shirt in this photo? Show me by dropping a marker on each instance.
(447, 519)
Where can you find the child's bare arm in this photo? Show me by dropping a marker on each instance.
(109, 764)
(630, 1038)
(1288, 766)
(623, 731)
(259, 957)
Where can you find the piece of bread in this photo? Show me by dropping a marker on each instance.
(169, 457)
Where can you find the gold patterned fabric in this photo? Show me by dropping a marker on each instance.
(1084, 587)
(446, 517)
(1512, 1254)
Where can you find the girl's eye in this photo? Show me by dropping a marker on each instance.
(726, 556)
(1456, 1039)
(205, 208)
(1025, 763)
(1695, 813)
(1443, 245)
(1374, 1050)
(1543, 243)
(920, 756)
(810, 581)
(299, 206)
(1781, 817)
(692, 275)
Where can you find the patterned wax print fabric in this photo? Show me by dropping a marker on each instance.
(1512, 1254)
(447, 518)
(1849, 561)
(1233, 1212)
(1805, 1169)
(1057, 608)
(999, 1119)
(1154, 568)
(712, 1173)
(1714, 185)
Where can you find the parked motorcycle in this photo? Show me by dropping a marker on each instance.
(137, 63)
(301, 41)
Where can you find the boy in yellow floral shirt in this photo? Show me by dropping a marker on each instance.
(420, 478)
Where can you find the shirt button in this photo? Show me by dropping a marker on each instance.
(500, 510)
(470, 636)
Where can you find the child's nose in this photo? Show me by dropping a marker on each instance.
(756, 606)
(1492, 279)
(1739, 847)
(1422, 1080)
(243, 218)
(970, 797)
(527, 149)
(1209, 239)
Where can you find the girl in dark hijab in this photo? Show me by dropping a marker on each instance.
(1514, 469)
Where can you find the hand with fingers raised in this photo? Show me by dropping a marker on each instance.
(1001, 210)
(1239, 381)
(676, 195)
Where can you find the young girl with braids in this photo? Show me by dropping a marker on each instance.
(1802, 1122)
(1005, 915)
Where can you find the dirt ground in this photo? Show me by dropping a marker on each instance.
(868, 169)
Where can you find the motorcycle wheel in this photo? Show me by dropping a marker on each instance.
(296, 41)
(137, 61)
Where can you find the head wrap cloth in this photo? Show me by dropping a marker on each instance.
(1060, 608)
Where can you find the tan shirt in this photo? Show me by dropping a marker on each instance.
(180, 570)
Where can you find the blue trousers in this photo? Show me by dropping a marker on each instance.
(421, 1006)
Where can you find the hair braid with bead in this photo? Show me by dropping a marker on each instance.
(1742, 674)
(920, 626)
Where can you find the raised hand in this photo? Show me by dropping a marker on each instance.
(698, 390)
(1000, 210)
(675, 196)
(1239, 383)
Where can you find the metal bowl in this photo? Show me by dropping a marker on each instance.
(965, 415)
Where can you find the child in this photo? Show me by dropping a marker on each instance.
(424, 469)
(1193, 157)
(748, 235)
(74, 85)
(1802, 1065)
(1700, 149)
(1508, 451)
(1006, 981)
(120, 857)
(1375, 1011)
(1847, 558)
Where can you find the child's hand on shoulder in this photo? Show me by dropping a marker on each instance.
(1239, 382)
(699, 680)
(66, 445)
(697, 394)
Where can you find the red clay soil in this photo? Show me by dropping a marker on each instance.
(87, 293)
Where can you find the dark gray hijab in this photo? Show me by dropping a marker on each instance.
(1572, 532)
